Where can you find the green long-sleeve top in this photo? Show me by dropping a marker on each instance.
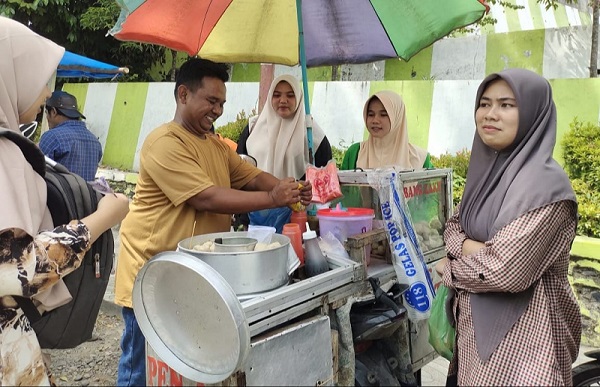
(351, 155)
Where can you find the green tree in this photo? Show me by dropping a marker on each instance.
(81, 27)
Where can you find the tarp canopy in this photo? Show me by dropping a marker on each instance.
(78, 66)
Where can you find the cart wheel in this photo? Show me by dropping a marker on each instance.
(587, 374)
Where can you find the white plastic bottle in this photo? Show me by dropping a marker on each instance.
(315, 262)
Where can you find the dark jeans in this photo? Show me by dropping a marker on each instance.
(132, 365)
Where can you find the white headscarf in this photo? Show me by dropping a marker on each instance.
(280, 146)
(28, 62)
(393, 148)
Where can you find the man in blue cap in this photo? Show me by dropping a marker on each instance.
(69, 142)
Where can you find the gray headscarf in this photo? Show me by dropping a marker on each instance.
(503, 185)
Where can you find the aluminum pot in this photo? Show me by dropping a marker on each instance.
(246, 272)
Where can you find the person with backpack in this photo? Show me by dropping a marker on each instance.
(189, 182)
(33, 254)
(69, 141)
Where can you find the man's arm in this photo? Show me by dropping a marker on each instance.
(263, 192)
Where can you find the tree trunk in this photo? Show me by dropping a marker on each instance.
(173, 64)
(594, 56)
(335, 72)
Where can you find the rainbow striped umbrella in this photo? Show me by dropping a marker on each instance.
(291, 32)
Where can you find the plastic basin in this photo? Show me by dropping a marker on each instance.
(344, 223)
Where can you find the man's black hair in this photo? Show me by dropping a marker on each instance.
(194, 70)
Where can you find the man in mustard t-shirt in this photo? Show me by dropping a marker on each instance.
(187, 175)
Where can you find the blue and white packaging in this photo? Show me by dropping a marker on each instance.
(407, 257)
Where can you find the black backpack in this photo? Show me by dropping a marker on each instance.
(69, 197)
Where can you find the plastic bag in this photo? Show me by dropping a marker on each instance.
(407, 257)
(441, 333)
(274, 217)
(262, 234)
(330, 245)
(325, 182)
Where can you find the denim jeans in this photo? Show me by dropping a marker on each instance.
(132, 365)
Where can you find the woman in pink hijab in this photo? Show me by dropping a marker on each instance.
(32, 260)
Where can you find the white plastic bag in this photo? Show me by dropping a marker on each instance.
(407, 256)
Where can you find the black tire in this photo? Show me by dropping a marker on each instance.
(587, 374)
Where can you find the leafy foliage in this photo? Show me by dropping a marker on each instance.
(81, 26)
(581, 152)
(489, 20)
(588, 209)
(459, 163)
(338, 155)
(232, 130)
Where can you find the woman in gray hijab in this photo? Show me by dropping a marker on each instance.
(517, 320)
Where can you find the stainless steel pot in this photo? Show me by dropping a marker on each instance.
(246, 271)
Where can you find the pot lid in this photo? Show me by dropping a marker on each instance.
(191, 317)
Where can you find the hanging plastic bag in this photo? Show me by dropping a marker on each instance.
(407, 257)
(325, 182)
(441, 333)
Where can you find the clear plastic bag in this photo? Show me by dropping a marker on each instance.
(441, 333)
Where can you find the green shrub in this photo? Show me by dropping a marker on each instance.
(459, 163)
(588, 208)
(338, 155)
(581, 153)
(232, 130)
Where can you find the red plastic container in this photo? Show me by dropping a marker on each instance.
(300, 218)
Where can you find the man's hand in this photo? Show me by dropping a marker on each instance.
(286, 192)
(305, 192)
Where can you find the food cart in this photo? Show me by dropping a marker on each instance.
(201, 330)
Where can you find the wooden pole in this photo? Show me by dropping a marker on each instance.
(267, 74)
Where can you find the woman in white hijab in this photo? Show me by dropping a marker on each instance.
(277, 140)
(32, 261)
(385, 117)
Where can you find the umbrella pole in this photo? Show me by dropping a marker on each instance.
(309, 135)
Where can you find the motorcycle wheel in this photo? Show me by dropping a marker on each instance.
(587, 374)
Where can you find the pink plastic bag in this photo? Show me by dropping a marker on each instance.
(325, 182)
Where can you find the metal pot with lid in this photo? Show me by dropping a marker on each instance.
(247, 272)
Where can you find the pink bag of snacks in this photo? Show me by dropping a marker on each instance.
(325, 182)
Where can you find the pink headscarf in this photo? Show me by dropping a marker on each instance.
(28, 62)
